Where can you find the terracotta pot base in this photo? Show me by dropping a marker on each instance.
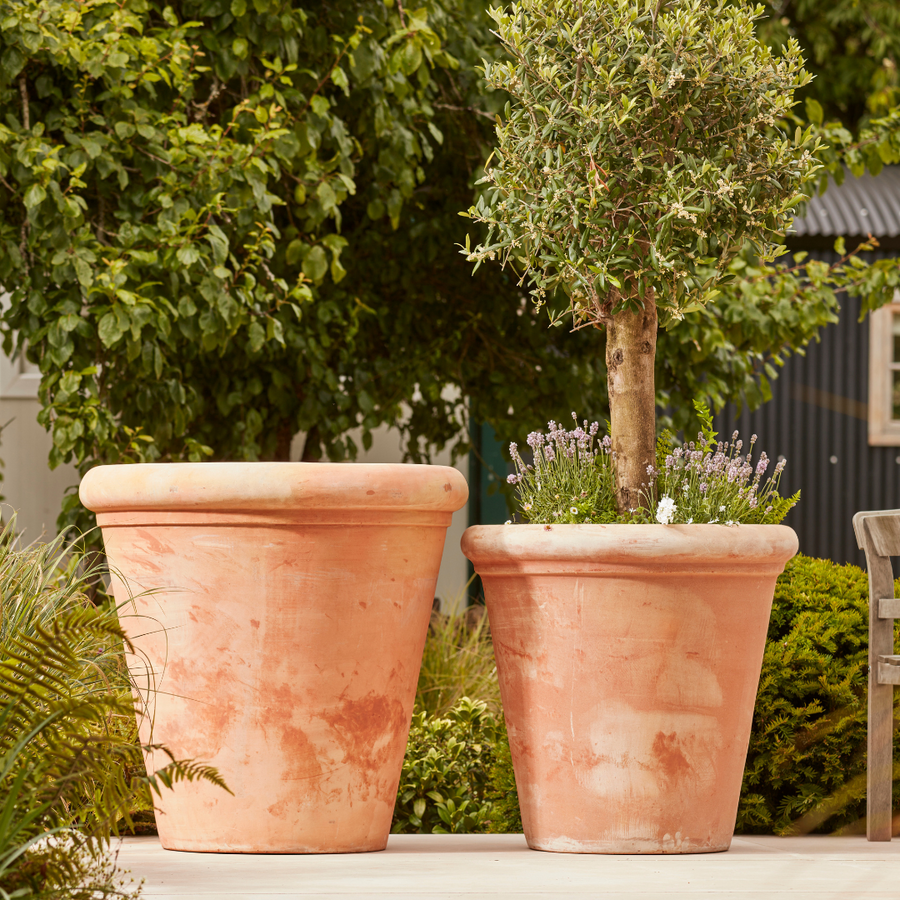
(668, 845)
(629, 658)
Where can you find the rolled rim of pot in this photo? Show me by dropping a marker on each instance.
(273, 486)
(606, 549)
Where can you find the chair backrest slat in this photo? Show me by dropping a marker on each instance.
(878, 535)
(883, 531)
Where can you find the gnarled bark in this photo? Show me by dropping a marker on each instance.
(630, 359)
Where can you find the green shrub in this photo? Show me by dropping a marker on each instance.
(806, 766)
(506, 817)
(444, 783)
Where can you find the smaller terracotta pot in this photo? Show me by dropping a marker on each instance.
(629, 659)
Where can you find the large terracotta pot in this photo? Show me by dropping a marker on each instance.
(629, 659)
(282, 609)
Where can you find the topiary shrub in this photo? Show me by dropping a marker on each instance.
(806, 765)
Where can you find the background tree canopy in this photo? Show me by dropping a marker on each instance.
(228, 222)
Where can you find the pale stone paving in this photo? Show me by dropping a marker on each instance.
(439, 867)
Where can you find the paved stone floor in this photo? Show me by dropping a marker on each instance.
(441, 867)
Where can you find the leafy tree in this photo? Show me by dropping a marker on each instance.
(226, 223)
(851, 49)
(173, 186)
(634, 163)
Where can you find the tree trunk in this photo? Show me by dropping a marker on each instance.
(630, 360)
(312, 446)
(283, 443)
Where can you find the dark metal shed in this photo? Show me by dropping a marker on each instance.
(819, 412)
(856, 208)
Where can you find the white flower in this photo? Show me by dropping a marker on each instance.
(508, 522)
(526, 507)
(721, 509)
(665, 511)
(573, 510)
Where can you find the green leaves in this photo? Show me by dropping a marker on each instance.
(34, 196)
(70, 759)
(444, 781)
(814, 111)
(315, 263)
(632, 166)
(178, 201)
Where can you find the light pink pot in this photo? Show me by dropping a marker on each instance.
(629, 659)
(286, 611)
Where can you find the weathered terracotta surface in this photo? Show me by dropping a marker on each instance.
(288, 611)
(629, 658)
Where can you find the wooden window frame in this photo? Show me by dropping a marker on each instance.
(884, 431)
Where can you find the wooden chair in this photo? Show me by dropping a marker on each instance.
(878, 535)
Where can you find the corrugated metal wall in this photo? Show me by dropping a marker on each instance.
(816, 419)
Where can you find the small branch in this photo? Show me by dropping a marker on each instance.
(101, 219)
(23, 246)
(26, 112)
(203, 108)
(471, 109)
(324, 81)
(26, 124)
(157, 158)
(400, 10)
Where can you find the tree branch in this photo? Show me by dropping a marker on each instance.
(26, 111)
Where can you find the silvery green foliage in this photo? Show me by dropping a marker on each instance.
(640, 146)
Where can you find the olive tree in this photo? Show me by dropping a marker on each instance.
(638, 155)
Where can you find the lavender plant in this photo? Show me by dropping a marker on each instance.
(571, 479)
(705, 482)
(709, 481)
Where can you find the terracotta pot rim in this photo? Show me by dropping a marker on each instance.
(600, 549)
(275, 486)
